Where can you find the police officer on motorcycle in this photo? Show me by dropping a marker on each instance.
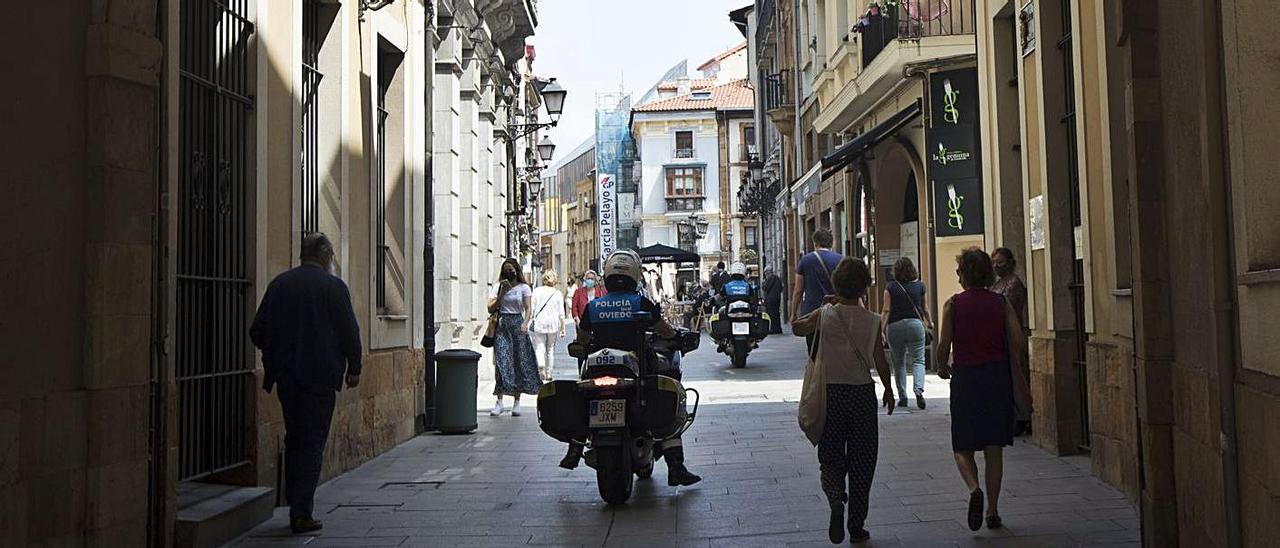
(608, 322)
(737, 288)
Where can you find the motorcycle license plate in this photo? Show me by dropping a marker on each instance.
(741, 328)
(607, 413)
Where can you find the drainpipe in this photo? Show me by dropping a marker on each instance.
(1228, 331)
(427, 421)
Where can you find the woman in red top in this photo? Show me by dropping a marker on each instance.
(983, 332)
(590, 289)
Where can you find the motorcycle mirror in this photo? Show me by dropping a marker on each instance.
(689, 341)
(578, 350)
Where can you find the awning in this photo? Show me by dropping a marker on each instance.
(658, 253)
(852, 150)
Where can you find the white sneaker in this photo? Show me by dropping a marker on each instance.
(497, 410)
(515, 409)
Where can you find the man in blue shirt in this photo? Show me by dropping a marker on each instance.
(813, 276)
(310, 342)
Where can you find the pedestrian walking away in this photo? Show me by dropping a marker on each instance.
(813, 277)
(310, 341)
(548, 323)
(772, 288)
(981, 331)
(838, 399)
(718, 277)
(1010, 285)
(514, 363)
(907, 328)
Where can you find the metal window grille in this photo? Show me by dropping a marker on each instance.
(1073, 185)
(310, 130)
(214, 372)
(380, 181)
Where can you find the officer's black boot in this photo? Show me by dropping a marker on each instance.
(571, 458)
(677, 474)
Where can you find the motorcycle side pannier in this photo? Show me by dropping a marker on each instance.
(665, 411)
(562, 411)
(760, 326)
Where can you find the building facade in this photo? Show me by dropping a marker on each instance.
(692, 158)
(203, 140)
(576, 175)
(1128, 172)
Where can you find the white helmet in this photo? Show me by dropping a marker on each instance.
(738, 269)
(623, 262)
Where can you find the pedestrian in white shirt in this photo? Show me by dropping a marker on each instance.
(548, 321)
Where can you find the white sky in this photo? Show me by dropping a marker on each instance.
(592, 46)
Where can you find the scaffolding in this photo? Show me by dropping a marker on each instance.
(616, 155)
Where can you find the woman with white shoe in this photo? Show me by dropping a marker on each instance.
(514, 364)
(548, 323)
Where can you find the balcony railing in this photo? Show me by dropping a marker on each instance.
(684, 153)
(913, 20)
(684, 203)
(776, 93)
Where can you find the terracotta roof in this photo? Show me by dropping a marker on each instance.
(694, 83)
(723, 55)
(735, 95)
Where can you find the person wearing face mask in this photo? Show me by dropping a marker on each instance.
(1010, 285)
(585, 293)
(514, 361)
(310, 341)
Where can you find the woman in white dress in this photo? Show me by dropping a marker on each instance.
(548, 323)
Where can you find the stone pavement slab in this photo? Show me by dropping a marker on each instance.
(500, 486)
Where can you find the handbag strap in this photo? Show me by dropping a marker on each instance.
(823, 263)
(910, 300)
(857, 348)
(544, 305)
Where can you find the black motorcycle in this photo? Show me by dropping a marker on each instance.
(620, 409)
(738, 327)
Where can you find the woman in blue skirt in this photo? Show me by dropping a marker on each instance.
(981, 334)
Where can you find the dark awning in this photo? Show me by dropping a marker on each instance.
(658, 253)
(851, 150)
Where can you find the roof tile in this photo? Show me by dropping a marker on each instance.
(735, 95)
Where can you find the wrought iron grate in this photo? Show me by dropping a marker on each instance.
(214, 372)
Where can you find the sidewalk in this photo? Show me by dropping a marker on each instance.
(500, 486)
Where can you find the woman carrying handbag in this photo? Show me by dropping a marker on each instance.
(907, 326)
(515, 366)
(838, 400)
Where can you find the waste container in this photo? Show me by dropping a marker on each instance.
(456, 385)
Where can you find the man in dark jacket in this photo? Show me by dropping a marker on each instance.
(310, 344)
(772, 289)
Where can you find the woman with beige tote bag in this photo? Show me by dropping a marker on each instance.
(838, 399)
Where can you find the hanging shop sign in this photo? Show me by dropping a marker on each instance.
(953, 152)
(607, 214)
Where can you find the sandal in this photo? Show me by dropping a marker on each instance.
(975, 510)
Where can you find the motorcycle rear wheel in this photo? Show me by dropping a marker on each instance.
(613, 474)
(739, 355)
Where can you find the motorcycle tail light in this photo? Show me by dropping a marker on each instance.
(605, 381)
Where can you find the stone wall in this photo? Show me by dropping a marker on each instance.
(1113, 425)
(368, 421)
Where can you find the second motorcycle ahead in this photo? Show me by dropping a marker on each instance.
(739, 322)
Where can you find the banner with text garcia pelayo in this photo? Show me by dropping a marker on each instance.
(607, 214)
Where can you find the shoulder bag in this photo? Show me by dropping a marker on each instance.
(491, 328)
(812, 414)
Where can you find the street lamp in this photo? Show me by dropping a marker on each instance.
(546, 148)
(535, 186)
(553, 97)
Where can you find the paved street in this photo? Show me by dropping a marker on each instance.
(500, 486)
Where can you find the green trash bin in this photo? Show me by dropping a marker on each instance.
(456, 385)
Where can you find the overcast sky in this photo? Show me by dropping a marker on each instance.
(595, 46)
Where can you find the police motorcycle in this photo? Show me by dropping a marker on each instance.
(621, 408)
(740, 323)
